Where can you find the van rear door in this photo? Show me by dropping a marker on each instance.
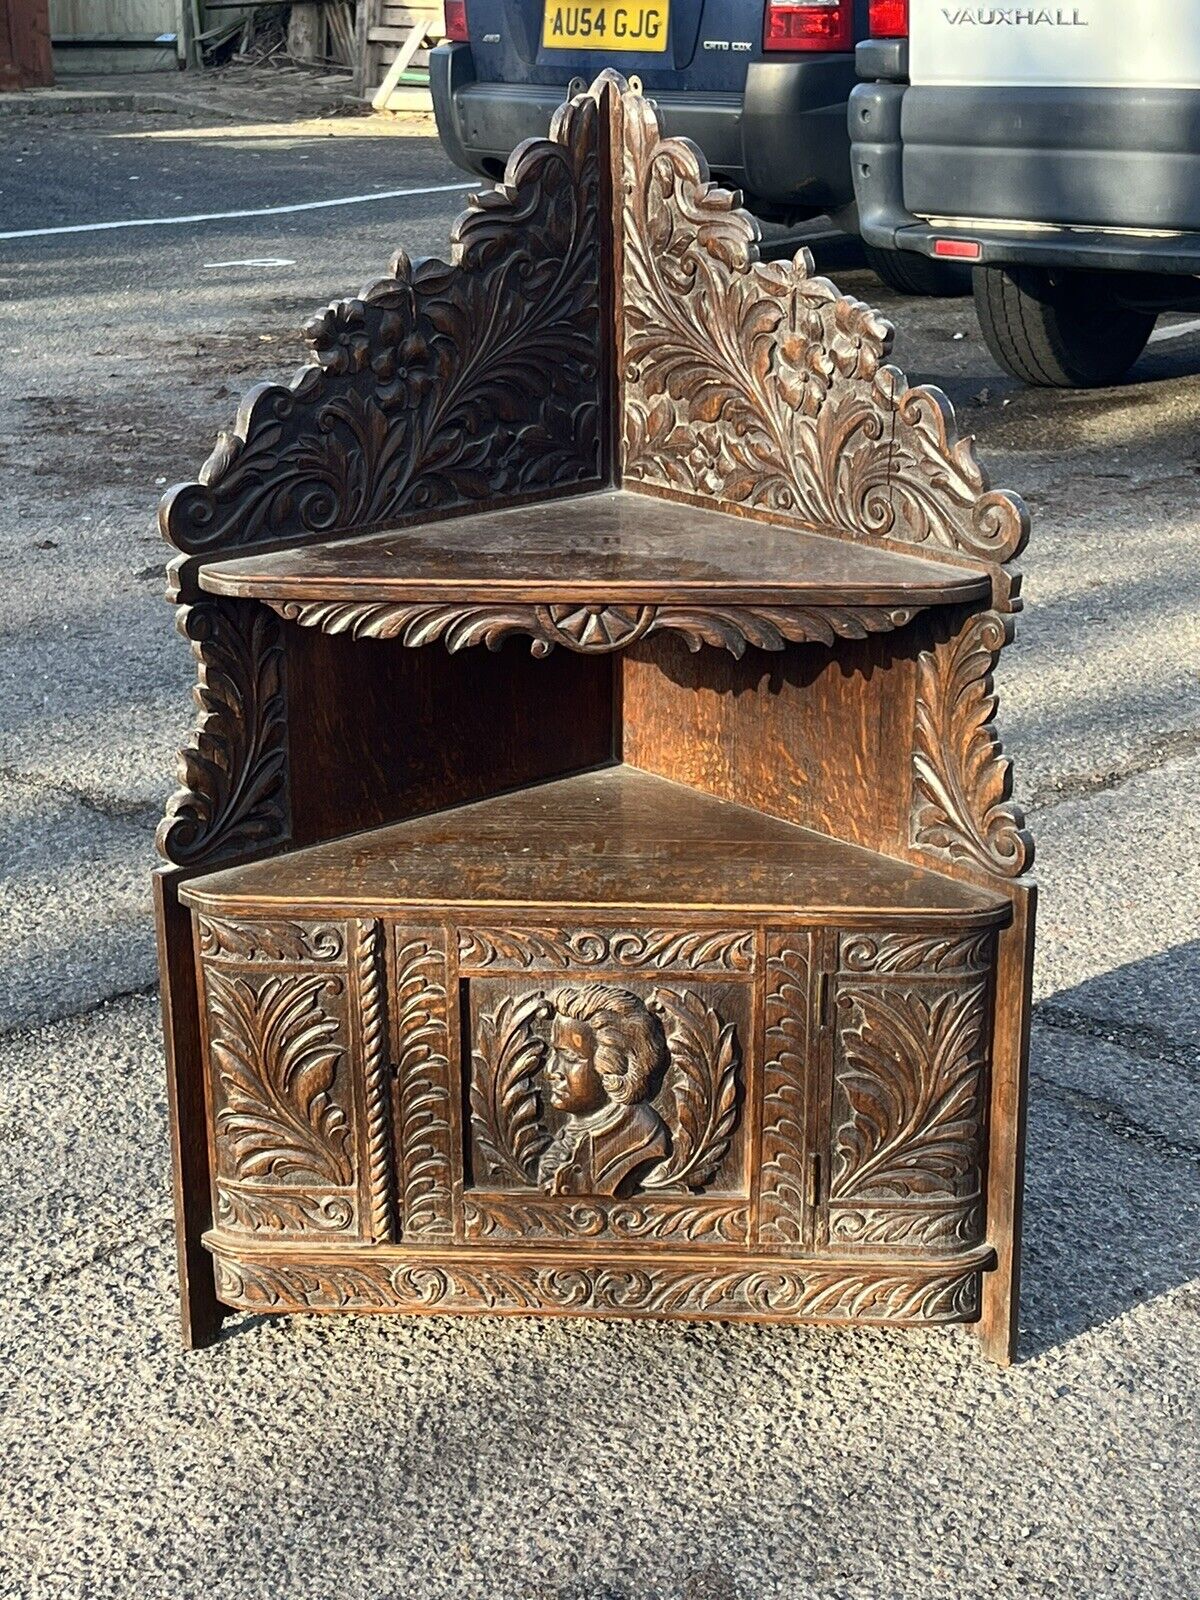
(1097, 43)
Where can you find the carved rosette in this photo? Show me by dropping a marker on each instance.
(770, 1292)
(962, 782)
(757, 384)
(423, 1086)
(440, 386)
(910, 1091)
(234, 795)
(280, 1056)
(596, 629)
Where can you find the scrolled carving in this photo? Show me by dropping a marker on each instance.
(914, 954)
(277, 1051)
(423, 1086)
(293, 1210)
(909, 1227)
(962, 782)
(938, 1293)
(511, 1217)
(252, 942)
(553, 949)
(460, 627)
(441, 385)
(234, 794)
(758, 384)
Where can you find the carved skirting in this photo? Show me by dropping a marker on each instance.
(556, 950)
(234, 795)
(594, 629)
(962, 781)
(770, 1291)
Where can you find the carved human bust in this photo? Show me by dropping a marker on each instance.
(607, 1056)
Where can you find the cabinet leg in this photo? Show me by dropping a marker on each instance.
(201, 1312)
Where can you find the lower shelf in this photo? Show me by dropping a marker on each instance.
(625, 1284)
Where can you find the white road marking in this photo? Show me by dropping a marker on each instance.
(1176, 330)
(227, 216)
(254, 261)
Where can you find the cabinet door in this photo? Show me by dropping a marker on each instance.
(910, 1019)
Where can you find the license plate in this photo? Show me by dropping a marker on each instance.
(605, 25)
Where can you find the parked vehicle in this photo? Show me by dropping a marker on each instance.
(760, 85)
(1056, 149)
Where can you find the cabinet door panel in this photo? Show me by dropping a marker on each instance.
(909, 1091)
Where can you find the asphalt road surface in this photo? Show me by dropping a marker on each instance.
(518, 1460)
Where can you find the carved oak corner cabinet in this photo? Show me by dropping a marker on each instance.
(670, 955)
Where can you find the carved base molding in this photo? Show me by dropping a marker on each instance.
(619, 1286)
(594, 629)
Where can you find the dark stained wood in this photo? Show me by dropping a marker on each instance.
(615, 547)
(200, 1310)
(614, 839)
(26, 60)
(694, 982)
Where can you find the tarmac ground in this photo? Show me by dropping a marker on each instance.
(396, 1459)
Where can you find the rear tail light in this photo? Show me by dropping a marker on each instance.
(456, 21)
(819, 25)
(889, 19)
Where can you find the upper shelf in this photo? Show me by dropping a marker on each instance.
(617, 547)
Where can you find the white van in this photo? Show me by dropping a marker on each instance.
(1054, 148)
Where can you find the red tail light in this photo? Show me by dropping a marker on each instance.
(819, 25)
(889, 19)
(456, 21)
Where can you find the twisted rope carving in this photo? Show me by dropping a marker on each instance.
(369, 984)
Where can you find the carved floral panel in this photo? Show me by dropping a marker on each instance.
(910, 1090)
(281, 1053)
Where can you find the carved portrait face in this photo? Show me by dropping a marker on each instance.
(571, 1075)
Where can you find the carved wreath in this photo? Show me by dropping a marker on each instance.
(698, 1100)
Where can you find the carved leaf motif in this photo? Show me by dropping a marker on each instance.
(911, 1075)
(901, 953)
(442, 384)
(962, 782)
(423, 1071)
(554, 949)
(291, 1210)
(277, 1051)
(269, 941)
(602, 630)
(702, 1081)
(758, 384)
(234, 794)
(781, 1206)
(504, 1100)
(491, 1216)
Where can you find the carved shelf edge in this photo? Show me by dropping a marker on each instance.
(476, 1280)
(595, 629)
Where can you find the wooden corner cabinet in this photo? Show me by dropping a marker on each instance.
(594, 888)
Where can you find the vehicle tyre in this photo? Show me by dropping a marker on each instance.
(912, 274)
(1058, 330)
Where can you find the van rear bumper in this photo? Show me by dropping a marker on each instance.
(783, 140)
(1083, 163)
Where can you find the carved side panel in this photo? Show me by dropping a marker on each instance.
(603, 1106)
(425, 1122)
(233, 799)
(788, 1067)
(962, 782)
(834, 1293)
(440, 386)
(759, 385)
(281, 1062)
(910, 1091)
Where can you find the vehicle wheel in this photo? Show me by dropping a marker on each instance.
(912, 274)
(1058, 330)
